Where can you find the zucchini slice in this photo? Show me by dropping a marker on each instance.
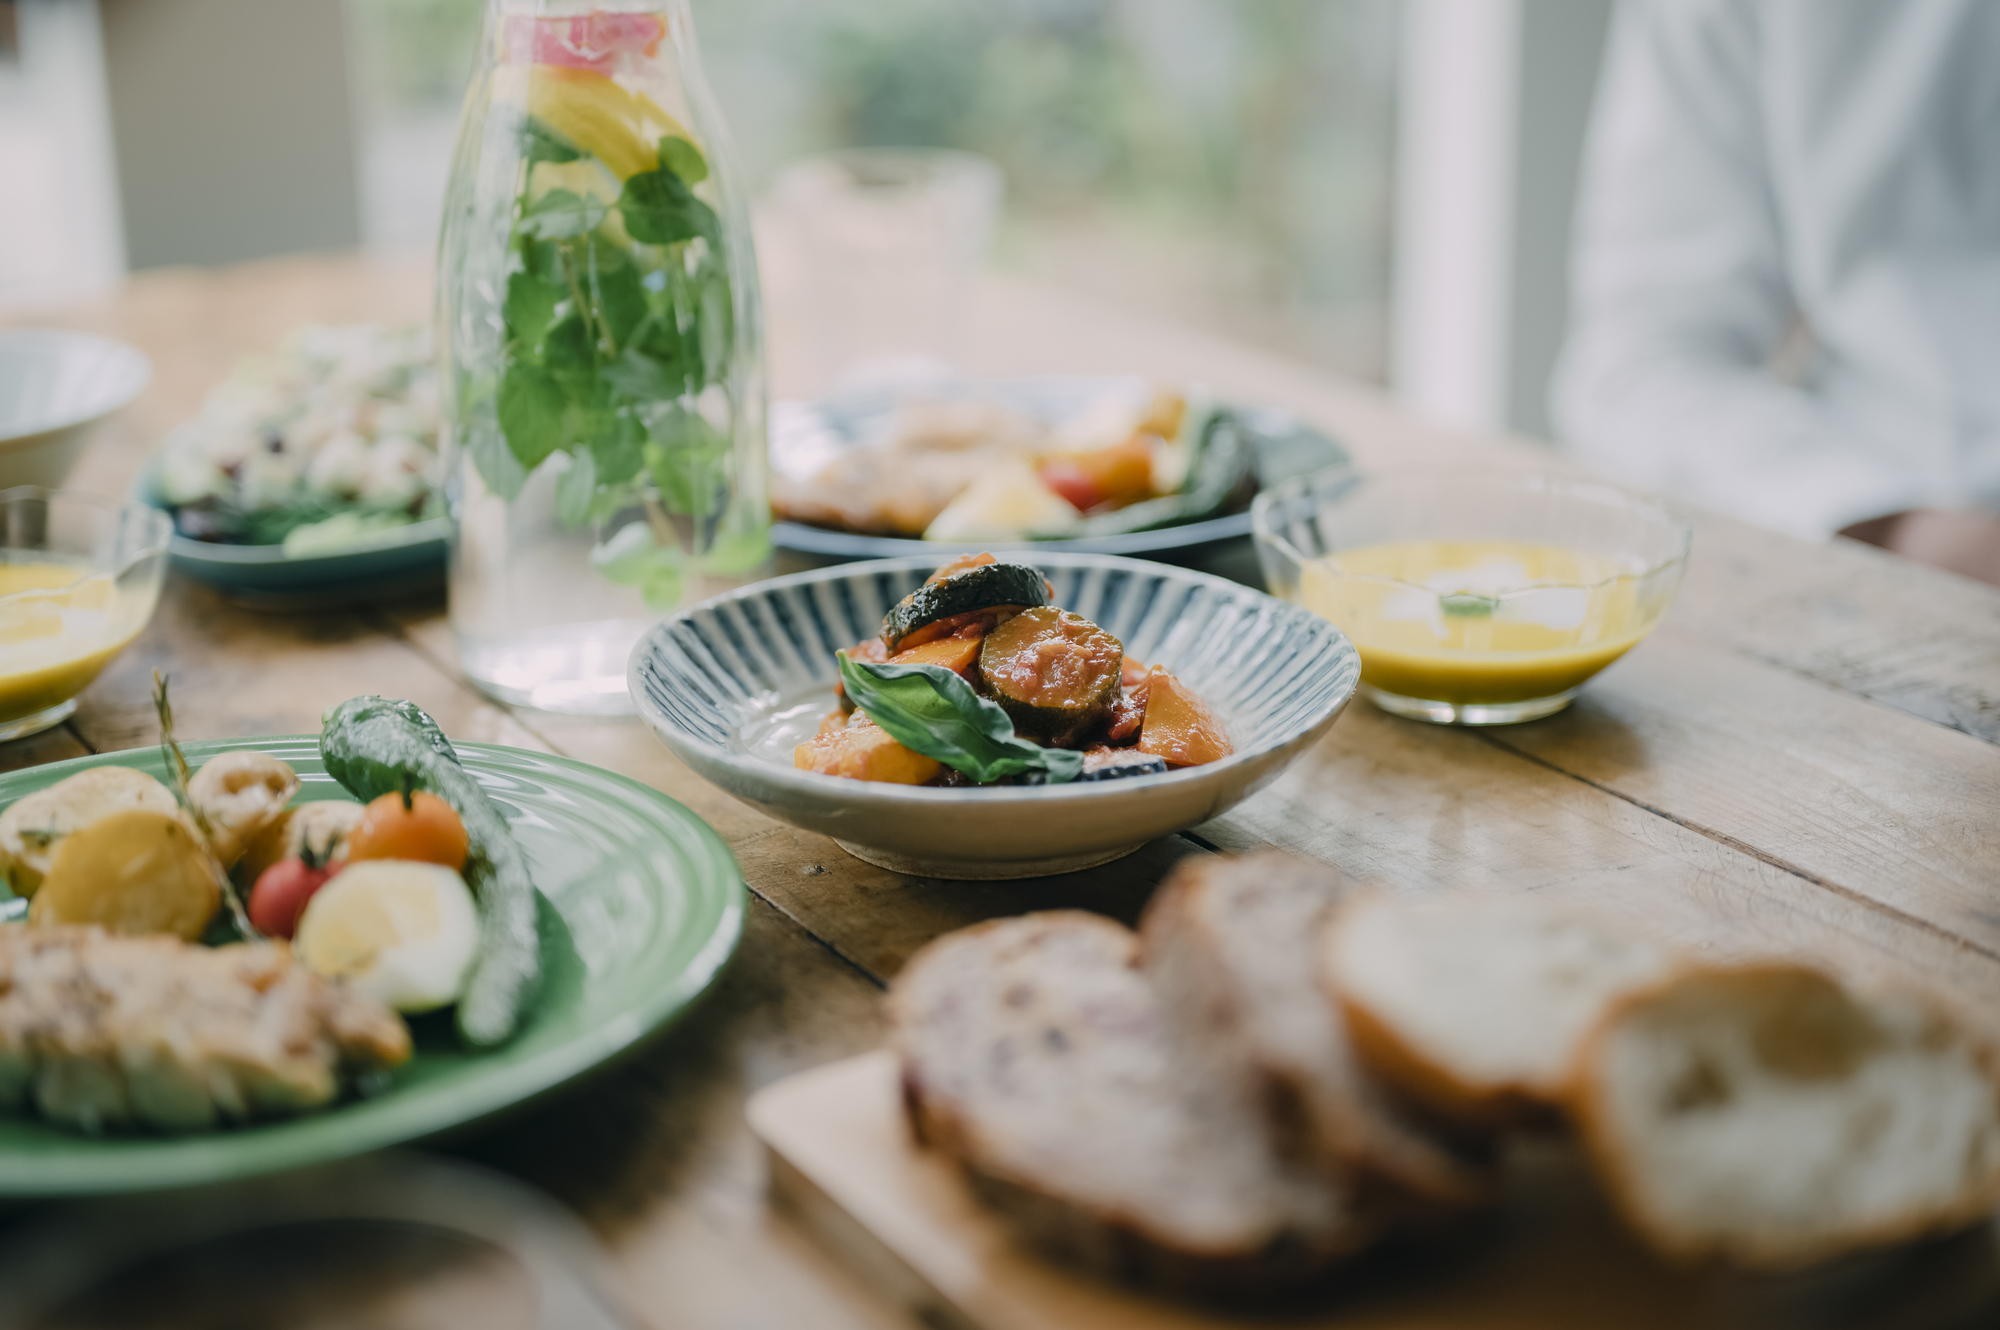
(985, 586)
(1055, 674)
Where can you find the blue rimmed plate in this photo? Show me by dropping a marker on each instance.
(805, 436)
(731, 684)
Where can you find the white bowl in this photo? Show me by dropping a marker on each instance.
(54, 387)
(710, 680)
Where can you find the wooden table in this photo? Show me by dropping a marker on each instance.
(1806, 753)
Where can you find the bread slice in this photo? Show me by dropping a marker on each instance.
(1039, 1057)
(1232, 945)
(1475, 1005)
(1772, 1117)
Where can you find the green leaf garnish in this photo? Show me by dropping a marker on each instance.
(660, 209)
(684, 160)
(560, 214)
(930, 710)
(542, 144)
(531, 413)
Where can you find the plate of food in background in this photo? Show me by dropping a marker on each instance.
(228, 958)
(1100, 465)
(311, 470)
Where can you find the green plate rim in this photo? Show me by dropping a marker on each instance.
(341, 1132)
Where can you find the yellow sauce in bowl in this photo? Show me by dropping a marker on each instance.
(53, 645)
(1482, 622)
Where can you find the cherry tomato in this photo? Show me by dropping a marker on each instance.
(281, 892)
(1071, 481)
(424, 828)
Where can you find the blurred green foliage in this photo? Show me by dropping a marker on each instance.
(1220, 161)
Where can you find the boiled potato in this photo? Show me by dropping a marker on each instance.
(34, 827)
(241, 794)
(319, 827)
(133, 872)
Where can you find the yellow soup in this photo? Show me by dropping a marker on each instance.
(52, 645)
(1471, 622)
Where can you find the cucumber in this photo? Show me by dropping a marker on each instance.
(375, 746)
(1054, 673)
(984, 587)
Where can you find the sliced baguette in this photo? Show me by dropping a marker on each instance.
(1038, 1057)
(1232, 946)
(1769, 1116)
(1475, 1005)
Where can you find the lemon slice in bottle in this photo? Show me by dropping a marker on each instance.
(401, 932)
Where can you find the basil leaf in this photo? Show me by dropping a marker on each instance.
(930, 710)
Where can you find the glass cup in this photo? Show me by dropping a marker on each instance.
(885, 243)
(1475, 597)
(601, 340)
(79, 578)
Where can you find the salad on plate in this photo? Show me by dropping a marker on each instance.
(327, 443)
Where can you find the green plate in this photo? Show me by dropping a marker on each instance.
(641, 905)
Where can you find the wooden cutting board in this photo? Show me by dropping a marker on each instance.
(1551, 1258)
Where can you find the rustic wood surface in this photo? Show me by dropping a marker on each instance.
(1806, 754)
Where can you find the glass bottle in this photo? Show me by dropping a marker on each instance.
(601, 341)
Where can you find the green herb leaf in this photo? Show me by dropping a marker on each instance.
(738, 552)
(645, 377)
(684, 160)
(569, 345)
(619, 451)
(531, 307)
(634, 557)
(495, 462)
(660, 209)
(539, 143)
(531, 413)
(575, 488)
(619, 298)
(688, 459)
(930, 710)
(561, 214)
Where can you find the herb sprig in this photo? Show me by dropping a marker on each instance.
(619, 319)
(178, 776)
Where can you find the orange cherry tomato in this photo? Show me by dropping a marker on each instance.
(424, 828)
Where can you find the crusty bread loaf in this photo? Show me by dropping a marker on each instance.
(1475, 1004)
(1772, 1117)
(1038, 1056)
(1232, 946)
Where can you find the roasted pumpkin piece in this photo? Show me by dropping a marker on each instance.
(953, 653)
(1179, 726)
(863, 750)
(1054, 673)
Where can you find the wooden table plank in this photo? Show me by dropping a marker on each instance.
(1864, 801)
(1431, 808)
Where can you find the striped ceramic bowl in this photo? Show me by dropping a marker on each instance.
(733, 683)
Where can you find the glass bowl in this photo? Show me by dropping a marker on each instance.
(79, 577)
(1476, 597)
